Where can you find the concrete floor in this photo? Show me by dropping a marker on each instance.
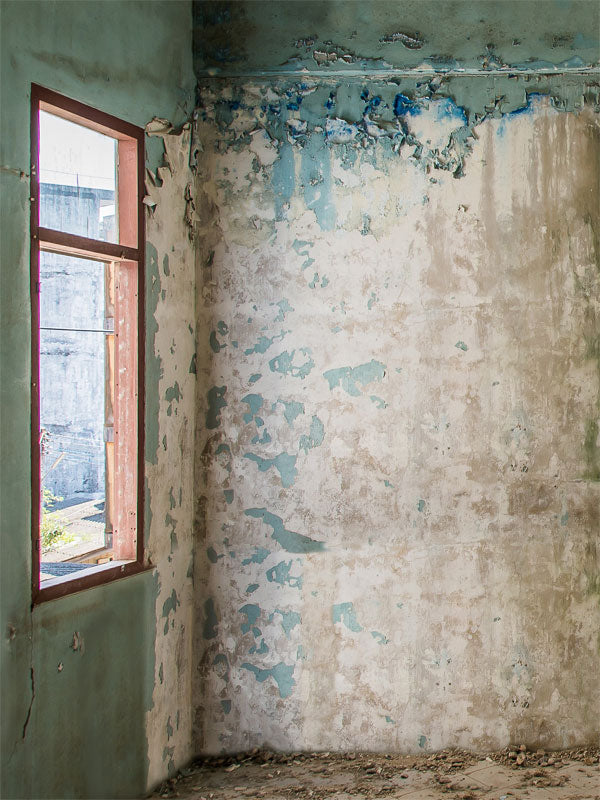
(449, 775)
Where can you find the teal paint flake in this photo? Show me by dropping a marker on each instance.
(421, 505)
(284, 363)
(336, 329)
(398, 370)
(161, 674)
(461, 346)
(172, 502)
(379, 402)
(215, 344)
(283, 178)
(372, 300)
(379, 637)
(564, 518)
(256, 632)
(280, 573)
(192, 369)
(228, 496)
(263, 343)
(324, 282)
(216, 402)
(209, 631)
(344, 613)
(289, 540)
(254, 403)
(173, 393)
(399, 605)
(422, 741)
(169, 728)
(252, 587)
(223, 328)
(289, 620)
(284, 308)
(226, 706)
(284, 463)
(315, 436)
(300, 654)
(259, 421)
(166, 269)
(291, 410)
(390, 720)
(259, 555)
(255, 377)
(259, 651)
(252, 612)
(316, 179)
(221, 665)
(281, 673)
(348, 377)
(212, 555)
(388, 484)
(264, 439)
(170, 605)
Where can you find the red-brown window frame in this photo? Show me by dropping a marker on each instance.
(129, 252)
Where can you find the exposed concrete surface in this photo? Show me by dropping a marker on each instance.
(398, 455)
(449, 775)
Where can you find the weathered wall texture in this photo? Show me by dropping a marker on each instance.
(115, 716)
(399, 390)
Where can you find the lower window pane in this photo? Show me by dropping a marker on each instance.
(76, 413)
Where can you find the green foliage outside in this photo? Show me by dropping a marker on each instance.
(53, 528)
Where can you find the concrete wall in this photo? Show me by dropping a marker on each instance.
(91, 720)
(398, 454)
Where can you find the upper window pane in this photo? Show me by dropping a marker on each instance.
(78, 169)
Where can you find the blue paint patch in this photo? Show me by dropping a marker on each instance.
(291, 410)
(284, 363)
(284, 463)
(379, 402)
(422, 741)
(255, 377)
(170, 605)
(338, 131)
(254, 650)
(289, 620)
(259, 555)
(216, 402)
(289, 540)
(280, 573)
(281, 673)
(344, 612)
(403, 105)
(461, 346)
(315, 436)
(284, 308)
(254, 403)
(264, 342)
(226, 706)
(252, 587)
(212, 555)
(348, 377)
(252, 612)
(379, 637)
(209, 630)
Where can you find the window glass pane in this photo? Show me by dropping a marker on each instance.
(76, 392)
(78, 169)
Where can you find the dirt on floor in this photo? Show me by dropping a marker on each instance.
(511, 774)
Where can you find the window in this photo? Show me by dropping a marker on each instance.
(87, 302)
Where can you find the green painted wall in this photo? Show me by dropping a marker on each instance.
(79, 731)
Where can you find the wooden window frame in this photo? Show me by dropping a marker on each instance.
(128, 253)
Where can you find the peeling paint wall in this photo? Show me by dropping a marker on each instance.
(398, 398)
(95, 686)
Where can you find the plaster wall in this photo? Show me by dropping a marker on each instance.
(399, 388)
(84, 678)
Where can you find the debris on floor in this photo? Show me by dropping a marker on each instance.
(511, 774)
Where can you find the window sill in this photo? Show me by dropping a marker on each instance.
(95, 576)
